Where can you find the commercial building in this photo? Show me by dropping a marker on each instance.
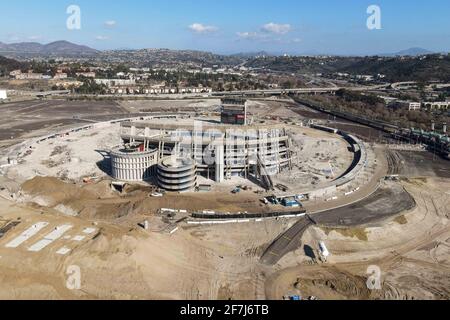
(115, 82)
(234, 111)
(15, 73)
(30, 76)
(86, 74)
(407, 105)
(431, 106)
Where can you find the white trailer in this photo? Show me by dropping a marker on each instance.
(3, 95)
(323, 250)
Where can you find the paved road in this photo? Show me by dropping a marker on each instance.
(386, 202)
(286, 242)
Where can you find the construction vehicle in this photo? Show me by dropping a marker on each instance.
(273, 200)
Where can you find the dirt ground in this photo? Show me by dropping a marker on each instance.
(126, 262)
(222, 262)
(33, 118)
(412, 251)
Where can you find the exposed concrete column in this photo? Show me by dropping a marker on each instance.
(245, 113)
(220, 165)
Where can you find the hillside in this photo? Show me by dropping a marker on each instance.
(422, 68)
(54, 49)
(8, 65)
(302, 64)
(428, 68)
(169, 58)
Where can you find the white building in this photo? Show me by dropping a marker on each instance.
(3, 95)
(442, 105)
(115, 82)
(86, 74)
(408, 105)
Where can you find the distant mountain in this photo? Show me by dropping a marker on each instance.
(254, 54)
(410, 52)
(54, 49)
(65, 47)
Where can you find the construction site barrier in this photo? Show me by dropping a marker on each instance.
(247, 215)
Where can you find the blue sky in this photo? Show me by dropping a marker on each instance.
(231, 26)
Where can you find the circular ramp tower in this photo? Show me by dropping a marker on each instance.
(177, 174)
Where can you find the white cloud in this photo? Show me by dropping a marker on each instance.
(270, 32)
(276, 28)
(200, 28)
(110, 23)
(101, 38)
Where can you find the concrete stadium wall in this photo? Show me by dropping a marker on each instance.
(136, 166)
(360, 161)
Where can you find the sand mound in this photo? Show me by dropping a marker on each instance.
(66, 198)
(49, 191)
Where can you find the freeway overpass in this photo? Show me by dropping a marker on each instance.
(274, 92)
(263, 92)
(277, 91)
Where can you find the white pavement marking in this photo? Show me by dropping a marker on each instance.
(63, 251)
(78, 238)
(89, 230)
(33, 230)
(48, 239)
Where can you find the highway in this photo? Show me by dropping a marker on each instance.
(300, 90)
(261, 92)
